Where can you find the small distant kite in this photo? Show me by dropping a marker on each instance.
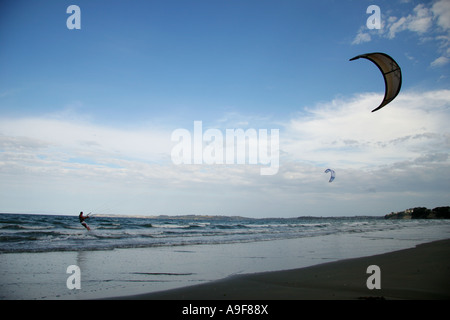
(332, 176)
(391, 73)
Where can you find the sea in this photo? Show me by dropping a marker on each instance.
(44, 233)
(131, 255)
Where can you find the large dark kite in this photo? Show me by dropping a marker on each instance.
(391, 73)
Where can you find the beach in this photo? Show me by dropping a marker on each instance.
(141, 258)
(420, 273)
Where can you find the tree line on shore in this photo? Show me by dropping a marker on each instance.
(421, 213)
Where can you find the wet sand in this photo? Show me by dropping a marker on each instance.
(422, 272)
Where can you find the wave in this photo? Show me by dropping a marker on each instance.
(29, 233)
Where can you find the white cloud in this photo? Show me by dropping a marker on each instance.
(347, 134)
(86, 140)
(396, 26)
(428, 21)
(439, 62)
(397, 156)
(420, 22)
(362, 37)
(441, 11)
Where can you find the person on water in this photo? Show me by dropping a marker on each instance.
(82, 218)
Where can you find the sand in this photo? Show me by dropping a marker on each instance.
(421, 273)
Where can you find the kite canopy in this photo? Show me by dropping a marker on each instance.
(333, 174)
(391, 72)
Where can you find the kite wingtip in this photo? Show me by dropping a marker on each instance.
(377, 108)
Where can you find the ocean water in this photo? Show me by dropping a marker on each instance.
(125, 256)
(46, 233)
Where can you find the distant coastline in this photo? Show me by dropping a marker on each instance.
(177, 217)
(421, 213)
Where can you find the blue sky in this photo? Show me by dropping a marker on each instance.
(86, 115)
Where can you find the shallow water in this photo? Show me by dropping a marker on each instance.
(46, 233)
(139, 267)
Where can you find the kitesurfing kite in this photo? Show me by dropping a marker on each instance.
(333, 174)
(391, 73)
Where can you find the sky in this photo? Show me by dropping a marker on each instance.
(88, 115)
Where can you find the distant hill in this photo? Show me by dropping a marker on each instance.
(179, 217)
(421, 213)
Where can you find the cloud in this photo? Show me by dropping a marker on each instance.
(62, 148)
(441, 11)
(362, 36)
(420, 22)
(345, 133)
(400, 150)
(84, 139)
(428, 21)
(397, 156)
(439, 62)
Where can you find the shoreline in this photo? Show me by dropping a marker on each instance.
(422, 272)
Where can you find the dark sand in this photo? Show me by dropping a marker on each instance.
(422, 272)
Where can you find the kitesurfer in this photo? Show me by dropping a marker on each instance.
(82, 218)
